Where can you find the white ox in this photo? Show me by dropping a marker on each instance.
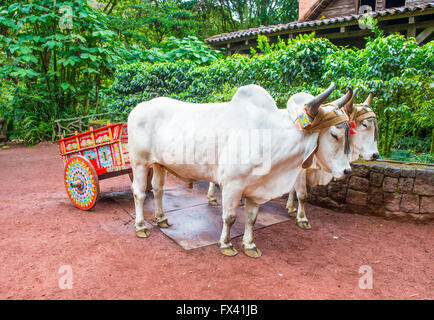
(362, 143)
(157, 129)
(212, 200)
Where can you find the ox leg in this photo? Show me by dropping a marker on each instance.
(158, 181)
(230, 198)
(212, 200)
(139, 190)
(290, 203)
(300, 188)
(251, 212)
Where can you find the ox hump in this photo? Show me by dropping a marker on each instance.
(254, 95)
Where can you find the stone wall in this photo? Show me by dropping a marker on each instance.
(393, 190)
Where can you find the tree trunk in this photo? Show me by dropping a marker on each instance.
(392, 137)
(432, 142)
(386, 136)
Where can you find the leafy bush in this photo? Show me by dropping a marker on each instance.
(188, 48)
(408, 155)
(394, 67)
(412, 143)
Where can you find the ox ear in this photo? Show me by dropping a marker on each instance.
(311, 147)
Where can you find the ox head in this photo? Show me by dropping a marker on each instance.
(364, 141)
(330, 141)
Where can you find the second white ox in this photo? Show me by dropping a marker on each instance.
(362, 143)
(160, 128)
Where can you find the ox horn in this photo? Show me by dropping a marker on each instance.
(344, 99)
(368, 100)
(349, 106)
(314, 104)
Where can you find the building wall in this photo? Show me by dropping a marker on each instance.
(339, 8)
(304, 6)
(380, 4)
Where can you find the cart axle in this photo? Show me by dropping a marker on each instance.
(77, 184)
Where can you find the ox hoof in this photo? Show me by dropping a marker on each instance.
(164, 223)
(253, 252)
(229, 251)
(305, 225)
(213, 202)
(142, 233)
(292, 212)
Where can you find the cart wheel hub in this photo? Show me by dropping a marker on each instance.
(77, 184)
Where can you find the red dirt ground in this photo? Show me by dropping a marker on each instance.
(40, 230)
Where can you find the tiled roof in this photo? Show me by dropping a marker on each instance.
(253, 32)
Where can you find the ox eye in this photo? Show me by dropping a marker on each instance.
(364, 124)
(334, 136)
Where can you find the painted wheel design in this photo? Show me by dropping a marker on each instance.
(81, 182)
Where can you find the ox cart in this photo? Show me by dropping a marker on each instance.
(92, 156)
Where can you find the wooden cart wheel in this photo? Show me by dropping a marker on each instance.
(149, 180)
(81, 182)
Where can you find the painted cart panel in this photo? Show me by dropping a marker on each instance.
(106, 148)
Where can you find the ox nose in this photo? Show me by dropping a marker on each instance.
(375, 156)
(347, 172)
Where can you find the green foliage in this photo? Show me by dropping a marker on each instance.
(413, 144)
(57, 65)
(174, 49)
(370, 23)
(57, 57)
(283, 72)
(58, 72)
(408, 155)
(398, 71)
(150, 22)
(265, 47)
(189, 48)
(170, 50)
(243, 14)
(35, 130)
